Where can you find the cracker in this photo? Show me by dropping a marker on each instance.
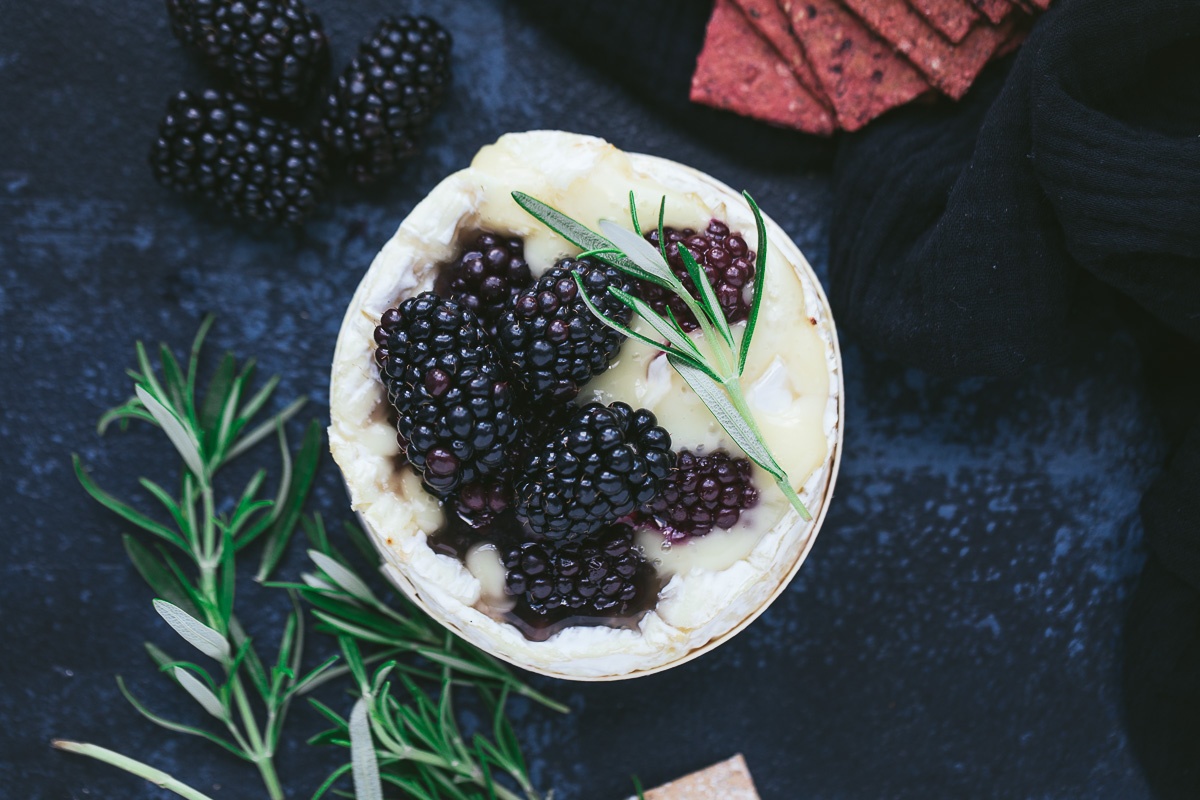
(994, 10)
(772, 24)
(728, 780)
(953, 19)
(737, 70)
(951, 68)
(861, 75)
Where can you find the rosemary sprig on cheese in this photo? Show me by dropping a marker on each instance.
(714, 371)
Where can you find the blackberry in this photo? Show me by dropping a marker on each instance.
(602, 577)
(212, 145)
(386, 95)
(727, 261)
(271, 50)
(553, 341)
(454, 415)
(601, 467)
(488, 275)
(702, 492)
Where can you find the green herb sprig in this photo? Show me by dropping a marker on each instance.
(192, 570)
(196, 597)
(714, 372)
(417, 745)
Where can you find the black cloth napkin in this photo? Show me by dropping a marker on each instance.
(968, 238)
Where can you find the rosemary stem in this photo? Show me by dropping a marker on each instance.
(733, 387)
(716, 343)
(266, 768)
(134, 767)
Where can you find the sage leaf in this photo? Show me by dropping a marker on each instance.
(193, 631)
(364, 765)
(200, 693)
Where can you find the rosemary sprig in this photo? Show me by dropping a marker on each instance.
(713, 372)
(345, 606)
(192, 569)
(417, 745)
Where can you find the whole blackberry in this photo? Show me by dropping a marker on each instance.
(601, 467)
(553, 341)
(702, 492)
(271, 50)
(727, 261)
(454, 414)
(386, 95)
(487, 276)
(602, 577)
(212, 145)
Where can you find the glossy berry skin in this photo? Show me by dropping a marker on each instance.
(605, 463)
(455, 420)
(385, 96)
(702, 492)
(727, 263)
(272, 51)
(487, 276)
(604, 576)
(214, 146)
(553, 342)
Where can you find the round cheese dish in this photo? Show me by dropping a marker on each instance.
(706, 588)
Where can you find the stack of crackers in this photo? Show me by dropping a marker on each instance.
(823, 65)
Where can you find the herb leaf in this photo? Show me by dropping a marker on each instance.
(760, 279)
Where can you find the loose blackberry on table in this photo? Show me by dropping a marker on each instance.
(213, 145)
(553, 342)
(728, 264)
(605, 463)
(702, 492)
(604, 576)
(454, 408)
(385, 96)
(273, 51)
(486, 276)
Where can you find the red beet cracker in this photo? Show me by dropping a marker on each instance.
(951, 68)
(953, 19)
(739, 71)
(860, 74)
(994, 10)
(772, 24)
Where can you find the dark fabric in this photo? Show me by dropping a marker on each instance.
(650, 49)
(968, 238)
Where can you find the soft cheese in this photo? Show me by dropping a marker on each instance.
(717, 583)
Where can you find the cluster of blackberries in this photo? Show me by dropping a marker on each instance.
(483, 375)
(234, 147)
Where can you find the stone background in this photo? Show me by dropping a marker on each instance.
(953, 634)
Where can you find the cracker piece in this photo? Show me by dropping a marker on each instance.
(951, 68)
(860, 73)
(953, 19)
(772, 24)
(737, 70)
(728, 780)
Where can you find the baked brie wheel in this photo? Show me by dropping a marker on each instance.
(696, 586)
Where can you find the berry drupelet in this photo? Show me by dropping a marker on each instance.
(601, 467)
(727, 261)
(702, 492)
(272, 51)
(454, 413)
(604, 576)
(487, 276)
(212, 145)
(553, 341)
(386, 94)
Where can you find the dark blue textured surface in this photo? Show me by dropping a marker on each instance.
(953, 633)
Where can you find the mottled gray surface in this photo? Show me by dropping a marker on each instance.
(952, 635)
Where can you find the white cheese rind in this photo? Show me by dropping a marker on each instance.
(700, 606)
